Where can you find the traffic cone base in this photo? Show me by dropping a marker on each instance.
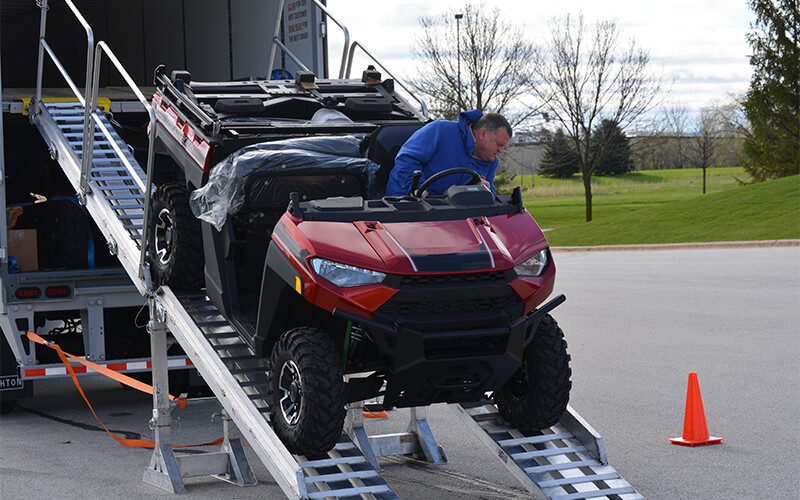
(687, 442)
(695, 430)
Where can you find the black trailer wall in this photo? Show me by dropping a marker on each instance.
(213, 39)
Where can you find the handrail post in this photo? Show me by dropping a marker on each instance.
(40, 62)
(278, 18)
(346, 32)
(147, 186)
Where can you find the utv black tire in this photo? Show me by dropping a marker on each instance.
(537, 394)
(175, 243)
(307, 391)
(73, 235)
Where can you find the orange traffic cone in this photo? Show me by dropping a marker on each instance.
(695, 430)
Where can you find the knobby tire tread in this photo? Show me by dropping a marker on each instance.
(547, 394)
(184, 269)
(322, 409)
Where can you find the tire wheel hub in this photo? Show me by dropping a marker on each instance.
(163, 236)
(290, 388)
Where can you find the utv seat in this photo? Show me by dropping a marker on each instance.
(383, 148)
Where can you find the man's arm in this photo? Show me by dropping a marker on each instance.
(415, 153)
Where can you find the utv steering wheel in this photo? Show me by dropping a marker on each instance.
(444, 173)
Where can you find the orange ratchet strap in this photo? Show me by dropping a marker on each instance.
(119, 377)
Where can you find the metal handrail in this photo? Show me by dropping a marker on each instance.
(276, 39)
(346, 32)
(350, 56)
(44, 46)
(285, 49)
(145, 187)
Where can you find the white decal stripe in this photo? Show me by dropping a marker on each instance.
(413, 266)
(491, 257)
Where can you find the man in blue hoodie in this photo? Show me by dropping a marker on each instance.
(473, 142)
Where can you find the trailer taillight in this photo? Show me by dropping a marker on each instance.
(28, 293)
(57, 292)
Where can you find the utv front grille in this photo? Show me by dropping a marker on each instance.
(453, 302)
(433, 280)
(399, 307)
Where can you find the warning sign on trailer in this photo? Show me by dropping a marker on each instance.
(10, 382)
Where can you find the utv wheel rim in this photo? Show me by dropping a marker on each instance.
(290, 389)
(518, 384)
(163, 235)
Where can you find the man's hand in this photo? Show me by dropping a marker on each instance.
(486, 184)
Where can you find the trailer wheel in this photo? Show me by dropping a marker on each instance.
(175, 246)
(536, 396)
(307, 391)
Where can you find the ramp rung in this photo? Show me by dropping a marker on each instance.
(212, 323)
(127, 207)
(348, 492)
(106, 161)
(118, 168)
(131, 227)
(596, 493)
(124, 196)
(245, 371)
(236, 359)
(223, 347)
(578, 480)
(112, 178)
(328, 462)
(533, 439)
(547, 453)
(220, 335)
(343, 476)
(554, 467)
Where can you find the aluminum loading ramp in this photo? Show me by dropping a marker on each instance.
(567, 461)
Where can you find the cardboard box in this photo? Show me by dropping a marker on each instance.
(22, 246)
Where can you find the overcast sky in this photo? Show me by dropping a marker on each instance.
(699, 45)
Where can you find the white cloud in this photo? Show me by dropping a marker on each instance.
(700, 44)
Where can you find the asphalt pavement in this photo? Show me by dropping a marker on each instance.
(637, 324)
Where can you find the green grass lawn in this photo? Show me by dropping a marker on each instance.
(665, 206)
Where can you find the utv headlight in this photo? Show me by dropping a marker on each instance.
(534, 266)
(345, 276)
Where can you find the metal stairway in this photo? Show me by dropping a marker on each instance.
(115, 190)
(566, 462)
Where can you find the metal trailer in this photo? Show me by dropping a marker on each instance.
(565, 461)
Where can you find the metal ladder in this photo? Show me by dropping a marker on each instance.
(567, 461)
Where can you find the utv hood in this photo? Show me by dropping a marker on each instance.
(468, 245)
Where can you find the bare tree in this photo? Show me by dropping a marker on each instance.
(478, 61)
(588, 77)
(676, 117)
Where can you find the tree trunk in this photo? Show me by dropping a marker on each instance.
(587, 189)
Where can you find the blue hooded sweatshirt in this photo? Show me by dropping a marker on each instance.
(435, 147)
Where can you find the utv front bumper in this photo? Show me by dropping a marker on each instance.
(449, 365)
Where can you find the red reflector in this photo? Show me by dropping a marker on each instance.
(28, 293)
(55, 292)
